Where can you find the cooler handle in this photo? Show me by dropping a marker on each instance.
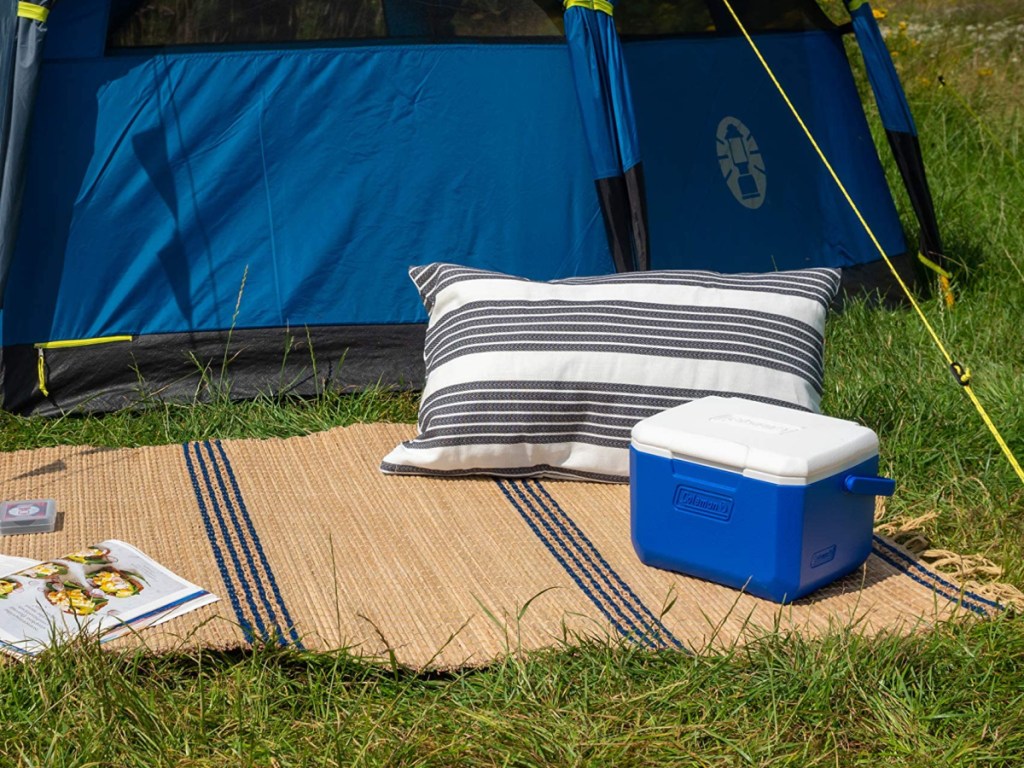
(870, 486)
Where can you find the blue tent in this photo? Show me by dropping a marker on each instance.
(238, 187)
(606, 109)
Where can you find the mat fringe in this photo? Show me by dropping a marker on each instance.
(975, 572)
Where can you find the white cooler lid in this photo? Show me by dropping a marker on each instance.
(766, 442)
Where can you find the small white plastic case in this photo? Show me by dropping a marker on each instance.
(29, 516)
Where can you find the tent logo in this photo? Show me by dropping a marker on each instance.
(741, 163)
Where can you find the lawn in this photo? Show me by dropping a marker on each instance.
(952, 696)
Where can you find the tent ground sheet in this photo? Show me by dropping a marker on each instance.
(308, 544)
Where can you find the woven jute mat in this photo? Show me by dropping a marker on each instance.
(308, 544)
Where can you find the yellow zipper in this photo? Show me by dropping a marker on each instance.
(67, 344)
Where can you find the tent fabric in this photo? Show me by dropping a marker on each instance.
(906, 149)
(159, 180)
(185, 367)
(22, 53)
(602, 87)
(689, 92)
(885, 82)
(179, 193)
(606, 108)
(898, 122)
(310, 174)
(8, 41)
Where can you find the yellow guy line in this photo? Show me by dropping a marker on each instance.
(963, 375)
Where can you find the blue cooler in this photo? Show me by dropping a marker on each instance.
(771, 500)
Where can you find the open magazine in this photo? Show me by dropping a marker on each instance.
(106, 590)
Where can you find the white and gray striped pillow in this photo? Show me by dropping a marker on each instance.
(547, 379)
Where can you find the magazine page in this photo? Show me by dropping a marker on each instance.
(10, 564)
(106, 589)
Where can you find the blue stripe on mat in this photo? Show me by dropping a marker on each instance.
(585, 565)
(591, 553)
(227, 543)
(220, 499)
(260, 553)
(916, 571)
(218, 554)
(573, 573)
(274, 632)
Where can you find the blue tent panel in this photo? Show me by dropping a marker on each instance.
(156, 181)
(901, 132)
(22, 31)
(320, 174)
(606, 109)
(603, 90)
(885, 82)
(698, 99)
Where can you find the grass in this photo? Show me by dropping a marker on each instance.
(174, 423)
(948, 697)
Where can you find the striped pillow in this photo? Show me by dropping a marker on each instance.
(547, 379)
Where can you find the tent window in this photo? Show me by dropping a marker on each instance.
(693, 17)
(150, 23)
(447, 19)
(158, 23)
(663, 17)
